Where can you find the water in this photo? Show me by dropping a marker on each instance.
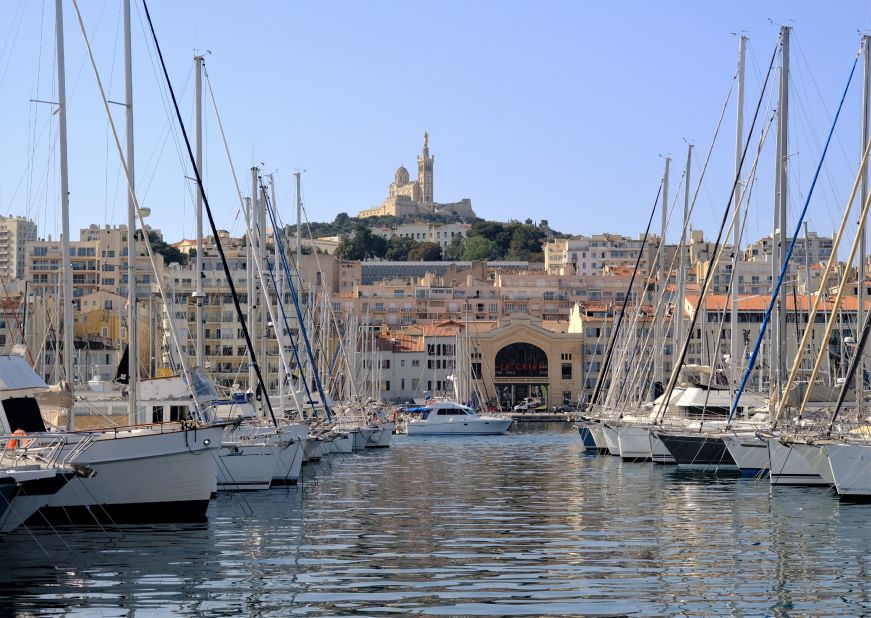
(524, 524)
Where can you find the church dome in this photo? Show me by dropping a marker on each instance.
(401, 177)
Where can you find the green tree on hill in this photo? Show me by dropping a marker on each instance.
(426, 252)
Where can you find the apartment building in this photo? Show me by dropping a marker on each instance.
(589, 255)
(15, 232)
(98, 260)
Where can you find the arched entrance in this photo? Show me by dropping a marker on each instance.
(521, 375)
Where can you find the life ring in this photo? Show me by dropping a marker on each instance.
(13, 443)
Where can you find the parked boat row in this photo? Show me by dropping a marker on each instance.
(788, 419)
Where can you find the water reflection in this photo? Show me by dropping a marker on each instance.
(525, 524)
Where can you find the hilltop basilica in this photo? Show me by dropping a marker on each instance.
(414, 197)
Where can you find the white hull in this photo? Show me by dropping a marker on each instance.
(611, 439)
(748, 450)
(343, 443)
(466, 427)
(634, 442)
(246, 467)
(851, 468)
(141, 475)
(315, 449)
(815, 456)
(788, 467)
(658, 452)
(288, 462)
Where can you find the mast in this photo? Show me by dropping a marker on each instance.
(249, 275)
(682, 268)
(198, 294)
(779, 349)
(67, 272)
(860, 296)
(736, 249)
(300, 291)
(298, 229)
(661, 285)
(262, 307)
(279, 299)
(132, 327)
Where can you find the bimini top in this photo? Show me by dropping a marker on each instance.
(16, 374)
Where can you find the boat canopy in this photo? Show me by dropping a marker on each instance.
(16, 374)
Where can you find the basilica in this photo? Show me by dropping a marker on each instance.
(415, 197)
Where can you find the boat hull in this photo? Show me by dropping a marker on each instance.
(749, 452)
(471, 427)
(611, 442)
(246, 467)
(698, 451)
(139, 477)
(789, 467)
(587, 437)
(851, 469)
(634, 442)
(659, 454)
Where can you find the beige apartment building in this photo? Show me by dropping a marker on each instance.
(98, 260)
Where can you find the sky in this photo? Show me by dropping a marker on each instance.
(544, 110)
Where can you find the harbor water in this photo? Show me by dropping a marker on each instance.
(521, 524)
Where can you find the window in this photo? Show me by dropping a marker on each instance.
(415, 363)
(157, 414)
(567, 371)
(567, 398)
(476, 371)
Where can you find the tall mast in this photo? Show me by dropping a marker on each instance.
(279, 299)
(250, 269)
(682, 268)
(661, 285)
(860, 297)
(263, 305)
(298, 231)
(778, 351)
(734, 366)
(65, 207)
(199, 295)
(132, 327)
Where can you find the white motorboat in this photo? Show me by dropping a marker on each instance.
(449, 418)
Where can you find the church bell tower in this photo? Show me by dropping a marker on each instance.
(424, 174)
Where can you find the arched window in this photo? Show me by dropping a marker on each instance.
(522, 360)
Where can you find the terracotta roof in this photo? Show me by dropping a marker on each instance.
(759, 302)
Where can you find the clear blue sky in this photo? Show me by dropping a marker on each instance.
(556, 110)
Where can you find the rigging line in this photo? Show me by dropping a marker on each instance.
(613, 339)
(10, 40)
(703, 288)
(218, 246)
(248, 217)
(293, 294)
(819, 93)
(696, 194)
(776, 289)
(728, 293)
(145, 238)
(812, 138)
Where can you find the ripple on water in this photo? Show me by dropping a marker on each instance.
(523, 524)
